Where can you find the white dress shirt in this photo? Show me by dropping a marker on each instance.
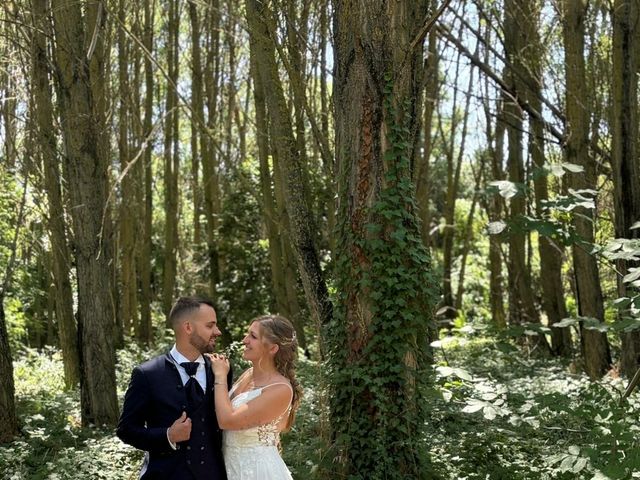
(201, 375)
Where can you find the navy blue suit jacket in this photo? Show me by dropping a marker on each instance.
(154, 400)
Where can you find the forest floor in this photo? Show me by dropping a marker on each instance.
(496, 415)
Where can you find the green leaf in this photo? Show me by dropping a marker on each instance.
(634, 274)
(565, 322)
(580, 464)
(494, 228)
(572, 167)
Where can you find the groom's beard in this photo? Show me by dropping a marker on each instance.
(202, 345)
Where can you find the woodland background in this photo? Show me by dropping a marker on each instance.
(443, 197)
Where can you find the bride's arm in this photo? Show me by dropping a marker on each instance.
(267, 407)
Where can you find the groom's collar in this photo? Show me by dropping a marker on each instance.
(180, 358)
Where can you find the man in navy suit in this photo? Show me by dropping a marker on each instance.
(168, 408)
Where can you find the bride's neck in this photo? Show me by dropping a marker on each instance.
(263, 373)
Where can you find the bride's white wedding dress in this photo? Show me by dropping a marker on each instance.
(252, 454)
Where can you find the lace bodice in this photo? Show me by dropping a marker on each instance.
(252, 454)
(262, 435)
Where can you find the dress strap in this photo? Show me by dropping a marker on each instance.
(291, 400)
(279, 383)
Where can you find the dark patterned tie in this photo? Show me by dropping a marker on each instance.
(195, 395)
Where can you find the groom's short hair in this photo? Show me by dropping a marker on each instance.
(185, 306)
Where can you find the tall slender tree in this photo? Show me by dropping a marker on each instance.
(47, 146)
(79, 73)
(303, 233)
(595, 346)
(624, 149)
(171, 158)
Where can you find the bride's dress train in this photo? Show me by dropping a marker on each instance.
(252, 454)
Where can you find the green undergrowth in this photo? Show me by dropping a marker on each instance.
(502, 416)
(494, 415)
(54, 446)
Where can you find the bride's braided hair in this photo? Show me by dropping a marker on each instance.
(278, 330)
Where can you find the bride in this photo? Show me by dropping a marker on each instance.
(261, 404)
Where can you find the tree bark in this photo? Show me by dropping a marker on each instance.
(595, 347)
(78, 72)
(422, 170)
(43, 110)
(550, 252)
(210, 154)
(302, 228)
(171, 161)
(625, 164)
(128, 280)
(378, 80)
(522, 308)
(8, 418)
(146, 297)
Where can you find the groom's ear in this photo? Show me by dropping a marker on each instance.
(187, 327)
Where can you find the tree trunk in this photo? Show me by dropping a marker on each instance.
(624, 151)
(421, 170)
(146, 297)
(550, 252)
(8, 418)
(210, 154)
(171, 161)
(454, 167)
(495, 205)
(595, 347)
(522, 308)
(128, 280)
(267, 198)
(79, 71)
(303, 231)
(197, 109)
(385, 290)
(43, 110)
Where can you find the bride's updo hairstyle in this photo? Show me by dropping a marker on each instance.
(279, 331)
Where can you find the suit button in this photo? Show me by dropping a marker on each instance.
(202, 433)
(203, 419)
(201, 448)
(188, 462)
(183, 407)
(177, 447)
(201, 462)
(188, 447)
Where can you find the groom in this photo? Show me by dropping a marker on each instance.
(168, 409)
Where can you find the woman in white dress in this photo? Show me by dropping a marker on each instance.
(261, 404)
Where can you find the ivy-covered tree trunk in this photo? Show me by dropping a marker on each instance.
(624, 150)
(79, 74)
(380, 336)
(595, 346)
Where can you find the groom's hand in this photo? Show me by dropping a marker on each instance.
(181, 429)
